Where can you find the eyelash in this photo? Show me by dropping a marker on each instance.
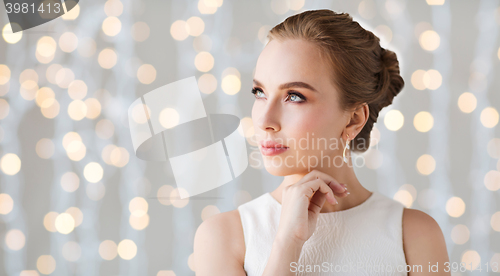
(254, 91)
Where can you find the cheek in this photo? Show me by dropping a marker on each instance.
(320, 121)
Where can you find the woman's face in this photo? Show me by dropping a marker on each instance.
(299, 120)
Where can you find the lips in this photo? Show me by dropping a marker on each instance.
(270, 148)
(271, 144)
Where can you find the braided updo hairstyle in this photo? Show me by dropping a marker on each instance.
(362, 71)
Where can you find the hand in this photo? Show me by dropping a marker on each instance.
(301, 205)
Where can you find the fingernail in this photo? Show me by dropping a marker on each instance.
(348, 193)
(335, 202)
(343, 185)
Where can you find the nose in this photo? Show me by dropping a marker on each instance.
(269, 117)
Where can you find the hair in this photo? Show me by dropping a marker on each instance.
(362, 71)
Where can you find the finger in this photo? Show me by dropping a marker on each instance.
(317, 201)
(309, 188)
(328, 179)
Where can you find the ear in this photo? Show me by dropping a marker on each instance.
(358, 118)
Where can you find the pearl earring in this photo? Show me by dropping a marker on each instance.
(346, 147)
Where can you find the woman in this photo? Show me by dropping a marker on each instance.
(321, 77)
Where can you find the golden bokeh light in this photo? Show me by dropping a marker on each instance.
(404, 197)
(460, 234)
(279, 7)
(492, 180)
(367, 9)
(435, 2)
(73, 13)
(493, 148)
(64, 77)
(93, 172)
(429, 40)
(393, 120)
(10, 164)
(70, 182)
(111, 26)
(43, 94)
(207, 83)
(169, 118)
(208, 6)
(46, 264)
(49, 221)
(15, 239)
(68, 42)
(204, 61)
(139, 223)
(179, 30)
(455, 207)
(4, 74)
(113, 8)
(127, 249)
(9, 36)
(432, 79)
(140, 31)
(296, 4)
(93, 108)
(65, 223)
(119, 157)
(77, 110)
(6, 204)
(209, 211)
(489, 117)
(146, 73)
(77, 89)
(106, 153)
(105, 129)
(247, 128)
(495, 221)
(107, 58)
(472, 259)
(417, 79)
(4, 109)
(163, 194)
(426, 164)
(196, 26)
(45, 148)
(231, 84)
(423, 121)
(108, 250)
(175, 197)
(46, 49)
(71, 251)
(138, 206)
(77, 215)
(467, 102)
(51, 72)
(384, 32)
(28, 90)
(50, 108)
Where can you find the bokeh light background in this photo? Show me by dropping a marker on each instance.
(74, 199)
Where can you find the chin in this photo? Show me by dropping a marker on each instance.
(278, 169)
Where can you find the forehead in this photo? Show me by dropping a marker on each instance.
(292, 60)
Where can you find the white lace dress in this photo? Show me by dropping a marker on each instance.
(364, 240)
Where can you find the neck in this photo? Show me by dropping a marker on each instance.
(344, 174)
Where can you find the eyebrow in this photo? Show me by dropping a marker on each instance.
(291, 84)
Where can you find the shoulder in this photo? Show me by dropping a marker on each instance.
(423, 239)
(219, 243)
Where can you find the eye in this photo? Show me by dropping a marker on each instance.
(300, 98)
(294, 96)
(255, 91)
